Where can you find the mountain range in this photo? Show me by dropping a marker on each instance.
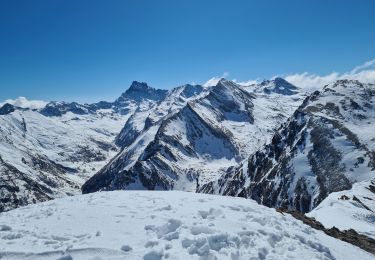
(271, 142)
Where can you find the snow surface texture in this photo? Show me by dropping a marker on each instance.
(162, 225)
(195, 134)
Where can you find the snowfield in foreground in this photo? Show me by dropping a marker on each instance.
(161, 225)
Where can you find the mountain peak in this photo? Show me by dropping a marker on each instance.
(59, 108)
(279, 86)
(138, 86)
(281, 81)
(225, 83)
(139, 91)
(191, 90)
(6, 109)
(222, 80)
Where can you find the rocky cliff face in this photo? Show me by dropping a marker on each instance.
(326, 146)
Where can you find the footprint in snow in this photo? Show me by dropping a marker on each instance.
(169, 207)
(153, 255)
(5, 228)
(126, 248)
(197, 230)
(211, 214)
(151, 244)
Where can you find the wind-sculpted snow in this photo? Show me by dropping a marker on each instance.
(183, 143)
(162, 225)
(326, 146)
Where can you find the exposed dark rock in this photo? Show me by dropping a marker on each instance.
(60, 108)
(6, 109)
(128, 133)
(371, 188)
(350, 236)
(344, 197)
(361, 203)
(139, 91)
(18, 189)
(279, 86)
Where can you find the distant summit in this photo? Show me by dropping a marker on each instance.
(139, 91)
(6, 109)
(279, 86)
(59, 108)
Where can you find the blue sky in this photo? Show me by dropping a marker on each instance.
(92, 50)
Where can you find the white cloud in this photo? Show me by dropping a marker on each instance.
(214, 80)
(364, 73)
(365, 66)
(308, 81)
(25, 103)
(246, 83)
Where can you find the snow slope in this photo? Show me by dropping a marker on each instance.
(58, 153)
(355, 211)
(161, 225)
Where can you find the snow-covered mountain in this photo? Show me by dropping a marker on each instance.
(162, 225)
(148, 115)
(277, 85)
(326, 146)
(270, 142)
(49, 152)
(194, 135)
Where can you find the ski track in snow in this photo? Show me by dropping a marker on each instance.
(161, 225)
